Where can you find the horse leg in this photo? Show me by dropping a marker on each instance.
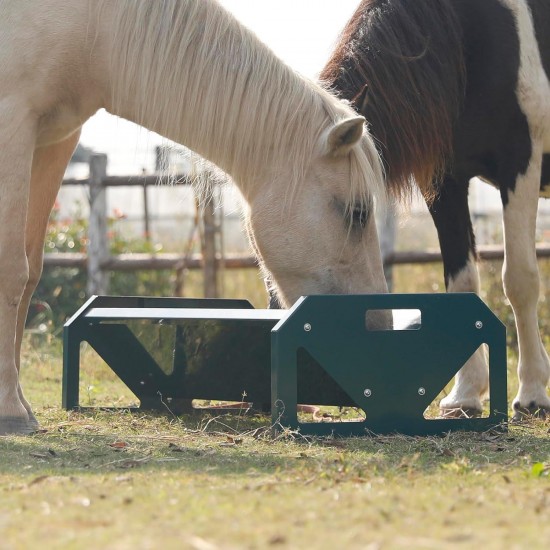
(48, 167)
(16, 150)
(520, 276)
(451, 216)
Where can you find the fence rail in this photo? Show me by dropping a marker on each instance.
(485, 252)
(139, 261)
(133, 181)
(135, 262)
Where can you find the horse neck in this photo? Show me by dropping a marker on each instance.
(190, 72)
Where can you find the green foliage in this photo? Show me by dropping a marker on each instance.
(64, 289)
(539, 469)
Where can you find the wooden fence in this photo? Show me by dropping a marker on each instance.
(99, 262)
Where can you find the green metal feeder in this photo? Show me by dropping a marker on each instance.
(173, 350)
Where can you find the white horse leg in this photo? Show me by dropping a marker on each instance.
(522, 286)
(48, 167)
(472, 380)
(451, 215)
(16, 150)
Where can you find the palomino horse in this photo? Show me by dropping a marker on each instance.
(452, 90)
(188, 70)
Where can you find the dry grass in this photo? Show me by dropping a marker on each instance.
(136, 480)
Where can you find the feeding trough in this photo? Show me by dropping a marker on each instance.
(321, 351)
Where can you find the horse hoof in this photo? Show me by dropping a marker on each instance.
(466, 412)
(532, 411)
(17, 426)
(33, 422)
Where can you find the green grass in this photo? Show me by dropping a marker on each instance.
(105, 479)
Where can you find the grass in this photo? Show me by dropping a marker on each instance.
(137, 480)
(120, 480)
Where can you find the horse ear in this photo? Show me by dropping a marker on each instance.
(344, 135)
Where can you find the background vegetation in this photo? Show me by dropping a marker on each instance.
(65, 289)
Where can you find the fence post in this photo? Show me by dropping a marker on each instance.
(146, 224)
(210, 270)
(98, 243)
(387, 234)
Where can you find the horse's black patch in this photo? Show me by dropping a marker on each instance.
(492, 135)
(451, 216)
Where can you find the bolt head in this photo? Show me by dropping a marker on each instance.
(367, 392)
(421, 391)
(479, 324)
(307, 327)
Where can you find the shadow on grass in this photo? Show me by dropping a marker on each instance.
(106, 443)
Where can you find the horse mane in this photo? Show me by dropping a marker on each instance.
(401, 63)
(191, 72)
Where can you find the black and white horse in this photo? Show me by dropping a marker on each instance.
(455, 89)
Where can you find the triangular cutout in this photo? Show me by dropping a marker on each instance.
(99, 386)
(433, 411)
(320, 397)
(158, 339)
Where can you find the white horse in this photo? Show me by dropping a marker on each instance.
(188, 70)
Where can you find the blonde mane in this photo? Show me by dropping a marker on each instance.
(203, 80)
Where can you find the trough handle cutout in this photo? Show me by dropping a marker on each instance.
(395, 319)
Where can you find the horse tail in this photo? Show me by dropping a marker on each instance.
(401, 63)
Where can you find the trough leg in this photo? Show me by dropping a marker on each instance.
(451, 216)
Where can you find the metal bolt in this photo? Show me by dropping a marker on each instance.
(367, 392)
(307, 327)
(479, 324)
(421, 391)
(142, 382)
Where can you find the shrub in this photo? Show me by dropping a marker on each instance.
(64, 289)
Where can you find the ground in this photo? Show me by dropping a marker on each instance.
(135, 480)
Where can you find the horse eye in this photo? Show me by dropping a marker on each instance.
(359, 216)
(355, 215)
